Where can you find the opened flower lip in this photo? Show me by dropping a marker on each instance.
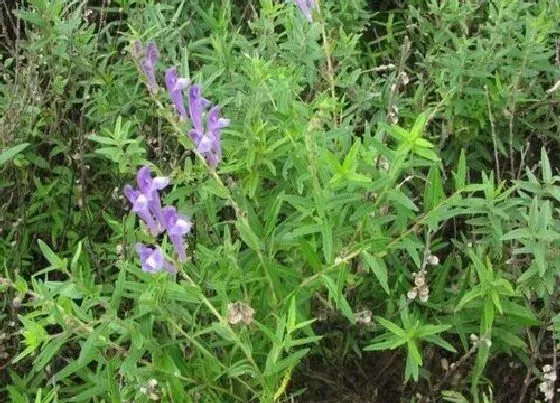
(177, 226)
(148, 185)
(140, 205)
(175, 86)
(146, 201)
(206, 140)
(153, 260)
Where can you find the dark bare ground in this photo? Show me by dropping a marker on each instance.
(378, 377)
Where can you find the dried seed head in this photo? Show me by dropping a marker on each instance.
(403, 78)
(385, 67)
(412, 293)
(419, 280)
(423, 293)
(393, 114)
(16, 302)
(240, 312)
(432, 260)
(550, 376)
(364, 317)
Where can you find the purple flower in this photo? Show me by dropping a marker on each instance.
(197, 106)
(148, 62)
(177, 226)
(175, 86)
(206, 142)
(150, 187)
(145, 201)
(140, 206)
(153, 260)
(306, 7)
(215, 124)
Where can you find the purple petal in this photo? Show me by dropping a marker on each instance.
(195, 136)
(141, 203)
(152, 259)
(204, 145)
(197, 104)
(215, 122)
(148, 66)
(181, 226)
(169, 214)
(144, 180)
(154, 207)
(214, 159)
(159, 183)
(306, 6)
(175, 87)
(130, 193)
(179, 246)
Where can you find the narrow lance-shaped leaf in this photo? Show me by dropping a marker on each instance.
(461, 174)
(433, 193)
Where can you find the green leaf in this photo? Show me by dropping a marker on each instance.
(48, 351)
(411, 369)
(378, 268)
(468, 297)
(390, 326)
(427, 153)
(414, 352)
(428, 330)
(400, 198)
(453, 397)
(48, 253)
(291, 316)
(216, 188)
(393, 341)
(419, 125)
(11, 152)
(545, 165)
(437, 340)
(398, 133)
(339, 298)
(461, 174)
(94, 339)
(287, 362)
(108, 141)
(327, 237)
(433, 192)
(247, 234)
(76, 257)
